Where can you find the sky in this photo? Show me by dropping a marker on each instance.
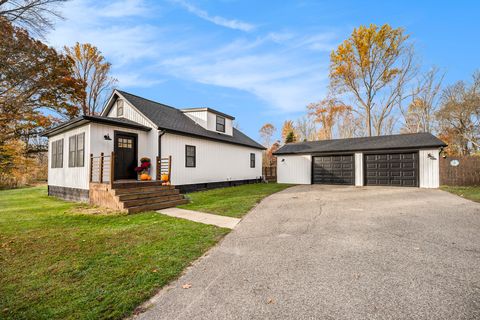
(259, 61)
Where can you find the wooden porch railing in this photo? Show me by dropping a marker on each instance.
(164, 167)
(102, 168)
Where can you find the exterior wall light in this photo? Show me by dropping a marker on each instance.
(107, 137)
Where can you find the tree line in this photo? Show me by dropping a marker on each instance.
(377, 88)
(41, 86)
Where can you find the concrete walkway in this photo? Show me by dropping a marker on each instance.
(206, 218)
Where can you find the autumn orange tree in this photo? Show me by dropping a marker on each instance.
(327, 112)
(373, 66)
(459, 116)
(288, 131)
(93, 70)
(37, 87)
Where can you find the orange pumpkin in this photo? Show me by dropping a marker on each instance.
(164, 177)
(144, 177)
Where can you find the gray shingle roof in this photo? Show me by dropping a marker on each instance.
(174, 120)
(397, 141)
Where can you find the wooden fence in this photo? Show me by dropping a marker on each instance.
(466, 173)
(270, 173)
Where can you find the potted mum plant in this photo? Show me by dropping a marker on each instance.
(143, 170)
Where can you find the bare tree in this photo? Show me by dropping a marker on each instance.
(373, 66)
(91, 67)
(420, 115)
(37, 16)
(305, 128)
(350, 126)
(266, 133)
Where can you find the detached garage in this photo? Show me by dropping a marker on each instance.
(405, 160)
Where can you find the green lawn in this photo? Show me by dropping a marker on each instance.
(59, 263)
(232, 201)
(472, 193)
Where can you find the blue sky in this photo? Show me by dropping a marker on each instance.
(260, 61)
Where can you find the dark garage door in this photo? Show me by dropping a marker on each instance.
(391, 169)
(335, 169)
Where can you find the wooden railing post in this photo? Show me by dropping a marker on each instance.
(91, 167)
(169, 167)
(159, 167)
(101, 168)
(112, 168)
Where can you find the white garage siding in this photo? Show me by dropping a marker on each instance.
(359, 169)
(215, 161)
(295, 169)
(429, 168)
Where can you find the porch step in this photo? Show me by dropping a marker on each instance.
(156, 206)
(133, 184)
(134, 195)
(136, 190)
(151, 200)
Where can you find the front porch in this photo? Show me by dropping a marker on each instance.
(130, 195)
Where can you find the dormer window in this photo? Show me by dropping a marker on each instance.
(120, 108)
(220, 124)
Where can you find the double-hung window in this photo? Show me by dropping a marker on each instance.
(220, 124)
(190, 156)
(57, 154)
(76, 150)
(252, 160)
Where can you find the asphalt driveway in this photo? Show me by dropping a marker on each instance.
(323, 252)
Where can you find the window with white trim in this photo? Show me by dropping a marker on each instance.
(220, 124)
(76, 150)
(57, 154)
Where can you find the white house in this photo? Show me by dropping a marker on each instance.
(199, 148)
(408, 160)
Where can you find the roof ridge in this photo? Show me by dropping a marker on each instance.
(137, 96)
(365, 137)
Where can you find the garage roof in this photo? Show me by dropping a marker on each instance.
(397, 141)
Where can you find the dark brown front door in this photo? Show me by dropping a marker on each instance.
(125, 155)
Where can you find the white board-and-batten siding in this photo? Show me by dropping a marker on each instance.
(95, 144)
(215, 161)
(296, 169)
(76, 177)
(130, 113)
(429, 168)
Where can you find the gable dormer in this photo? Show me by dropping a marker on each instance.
(211, 119)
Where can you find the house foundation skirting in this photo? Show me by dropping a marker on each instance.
(186, 188)
(66, 193)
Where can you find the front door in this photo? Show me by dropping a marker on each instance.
(125, 155)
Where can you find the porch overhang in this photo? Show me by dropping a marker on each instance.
(82, 120)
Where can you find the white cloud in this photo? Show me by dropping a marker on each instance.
(282, 77)
(285, 69)
(221, 21)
